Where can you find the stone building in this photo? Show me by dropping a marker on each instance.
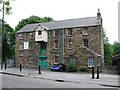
(77, 41)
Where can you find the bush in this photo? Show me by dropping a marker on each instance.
(71, 68)
(83, 69)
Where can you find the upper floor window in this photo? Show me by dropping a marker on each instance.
(39, 32)
(70, 45)
(21, 46)
(85, 42)
(56, 45)
(56, 33)
(26, 45)
(31, 35)
(85, 31)
(90, 61)
(20, 36)
(31, 46)
(69, 32)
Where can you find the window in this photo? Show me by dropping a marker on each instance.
(26, 45)
(31, 59)
(90, 61)
(85, 41)
(21, 46)
(31, 35)
(43, 48)
(55, 59)
(69, 33)
(70, 45)
(74, 60)
(39, 32)
(31, 46)
(56, 45)
(56, 33)
(20, 36)
(85, 31)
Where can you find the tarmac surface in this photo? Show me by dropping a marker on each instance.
(107, 80)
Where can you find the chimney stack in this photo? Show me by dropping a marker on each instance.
(99, 15)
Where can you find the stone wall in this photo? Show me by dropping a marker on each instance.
(77, 51)
(27, 57)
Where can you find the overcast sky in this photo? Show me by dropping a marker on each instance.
(67, 9)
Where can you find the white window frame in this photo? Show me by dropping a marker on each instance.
(31, 46)
(69, 29)
(86, 44)
(85, 31)
(55, 45)
(90, 61)
(31, 35)
(31, 59)
(21, 46)
(40, 31)
(55, 33)
(26, 45)
(55, 59)
(70, 44)
(20, 36)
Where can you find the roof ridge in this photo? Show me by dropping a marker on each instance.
(63, 20)
(70, 19)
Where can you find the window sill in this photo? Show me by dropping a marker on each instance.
(70, 48)
(69, 35)
(20, 38)
(31, 49)
(85, 34)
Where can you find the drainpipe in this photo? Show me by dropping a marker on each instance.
(63, 45)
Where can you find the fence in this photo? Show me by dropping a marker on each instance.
(109, 69)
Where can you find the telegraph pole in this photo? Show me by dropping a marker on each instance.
(2, 36)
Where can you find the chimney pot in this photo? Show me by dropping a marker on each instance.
(99, 15)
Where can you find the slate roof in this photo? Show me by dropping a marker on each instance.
(70, 23)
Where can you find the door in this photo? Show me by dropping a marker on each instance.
(43, 62)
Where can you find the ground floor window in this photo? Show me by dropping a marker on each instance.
(74, 60)
(90, 61)
(31, 59)
(56, 59)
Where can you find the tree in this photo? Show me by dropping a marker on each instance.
(108, 50)
(7, 8)
(116, 48)
(32, 19)
(8, 50)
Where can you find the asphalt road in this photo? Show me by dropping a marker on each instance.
(10, 81)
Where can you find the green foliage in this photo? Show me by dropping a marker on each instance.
(32, 19)
(7, 45)
(108, 50)
(83, 69)
(7, 7)
(116, 48)
(108, 53)
(71, 68)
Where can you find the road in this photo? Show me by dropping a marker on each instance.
(10, 81)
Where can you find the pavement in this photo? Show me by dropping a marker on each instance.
(107, 80)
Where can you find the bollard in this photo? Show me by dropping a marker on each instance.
(5, 65)
(39, 70)
(93, 72)
(97, 72)
(20, 67)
